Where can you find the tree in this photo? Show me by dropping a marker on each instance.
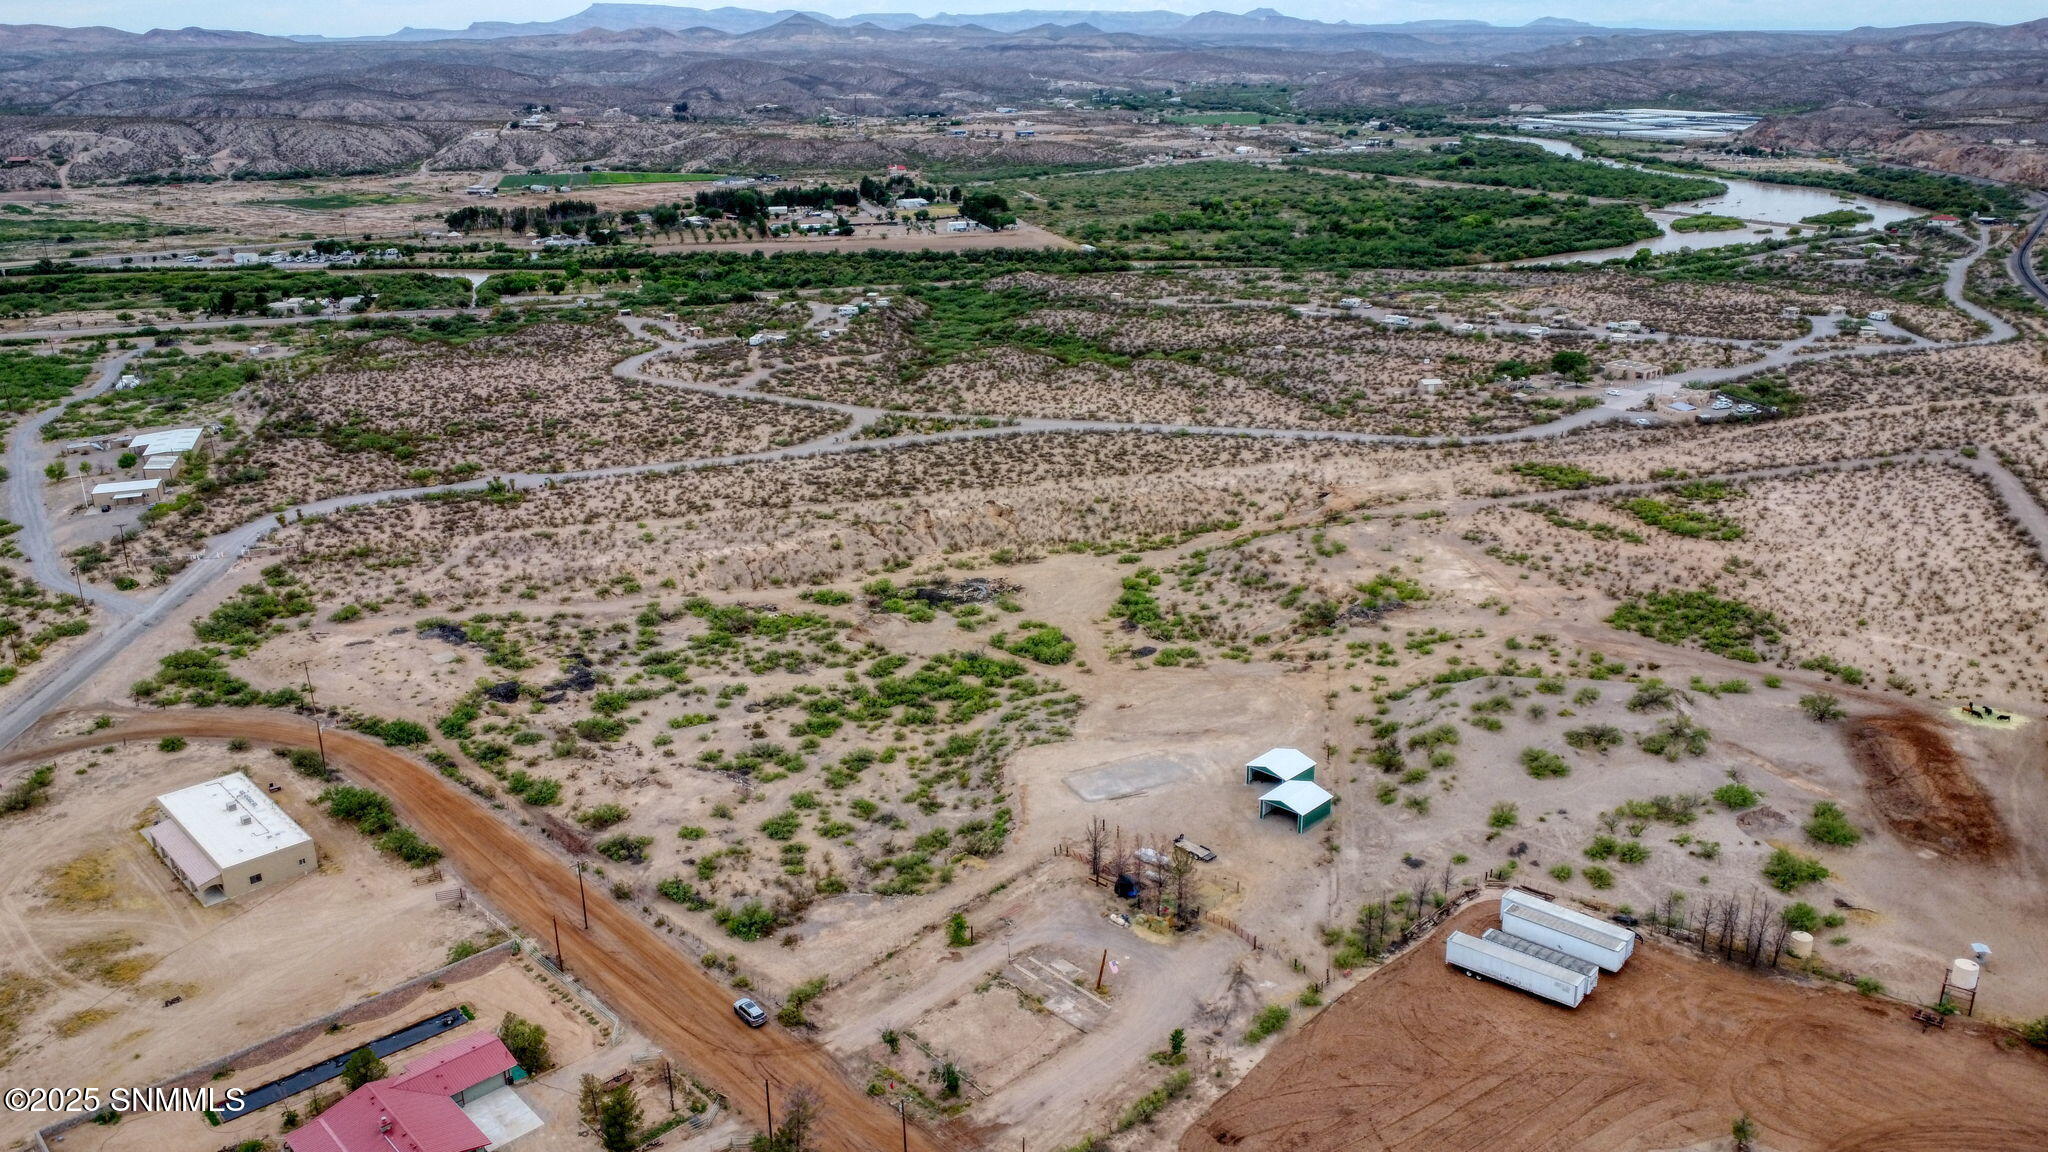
(618, 1120)
(1177, 1041)
(987, 208)
(1571, 362)
(799, 1116)
(1821, 706)
(361, 1068)
(528, 1043)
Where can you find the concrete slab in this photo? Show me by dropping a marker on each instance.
(502, 1117)
(1127, 777)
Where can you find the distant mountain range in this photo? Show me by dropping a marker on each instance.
(739, 21)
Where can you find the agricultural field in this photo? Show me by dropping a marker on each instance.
(1226, 211)
(603, 179)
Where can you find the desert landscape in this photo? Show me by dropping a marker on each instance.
(667, 578)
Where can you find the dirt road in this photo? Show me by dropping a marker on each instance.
(1665, 1054)
(647, 980)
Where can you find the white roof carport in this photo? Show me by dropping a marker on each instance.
(1280, 765)
(1305, 800)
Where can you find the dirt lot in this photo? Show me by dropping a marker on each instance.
(101, 934)
(1665, 1054)
(515, 986)
(633, 969)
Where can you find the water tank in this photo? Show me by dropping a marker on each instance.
(1963, 974)
(1800, 945)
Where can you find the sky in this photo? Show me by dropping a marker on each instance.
(370, 17)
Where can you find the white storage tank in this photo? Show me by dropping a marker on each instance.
(1584, 968)
(1800, 945)
(1503, 964)
(1963, 974)
(1572, 933)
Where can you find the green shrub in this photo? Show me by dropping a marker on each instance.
(1788, 871)
(1801, 917)
(1736, 797)
(1544, 764)
(1598, 877)
(1830, 826)
(1270, 1019)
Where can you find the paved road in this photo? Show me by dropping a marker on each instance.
(26, 456)
(2020, 264)
(635, 969)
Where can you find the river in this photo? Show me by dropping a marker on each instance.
(1766, 206)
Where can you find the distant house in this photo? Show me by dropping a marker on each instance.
(1946, 222)
(446, 1101)
(126, 492)
(912, 203)
(1630, 370)
(172, 440)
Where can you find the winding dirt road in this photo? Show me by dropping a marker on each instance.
(643, 976)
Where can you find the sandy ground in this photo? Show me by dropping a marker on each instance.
(625, 962)
(378, 924)
(1665, 1054)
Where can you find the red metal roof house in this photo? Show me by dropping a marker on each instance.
(418, 1110)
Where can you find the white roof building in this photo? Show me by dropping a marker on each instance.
(170, 440)
(1303, 799)
(165, 463)
(225, 837)
(120, 491)
(913, 203)
(1280, 765)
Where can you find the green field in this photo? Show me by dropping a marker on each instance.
(19, 226)
(336, 201)
(587, 179)
(1223, 211)
(1240, 118)
(1511, 164)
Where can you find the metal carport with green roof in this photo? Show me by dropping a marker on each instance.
(1280, 765)
(1305, 800)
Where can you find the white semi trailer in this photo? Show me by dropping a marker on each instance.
(1572, 933)
(1494, 961)
(1586, 968)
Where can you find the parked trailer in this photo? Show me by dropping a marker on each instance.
(1586, 968)
(1572, 933)
(1497, 962)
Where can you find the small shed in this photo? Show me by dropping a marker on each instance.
(123, 491)
(1305, 800)
(1279, 765)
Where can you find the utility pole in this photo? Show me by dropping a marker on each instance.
(668, 1077)
(581, 895)
(1100, 969)
(80, 580)
(306, 667)
(320, 735)
(770, 1102)
(558, 943)
(903, 1119)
